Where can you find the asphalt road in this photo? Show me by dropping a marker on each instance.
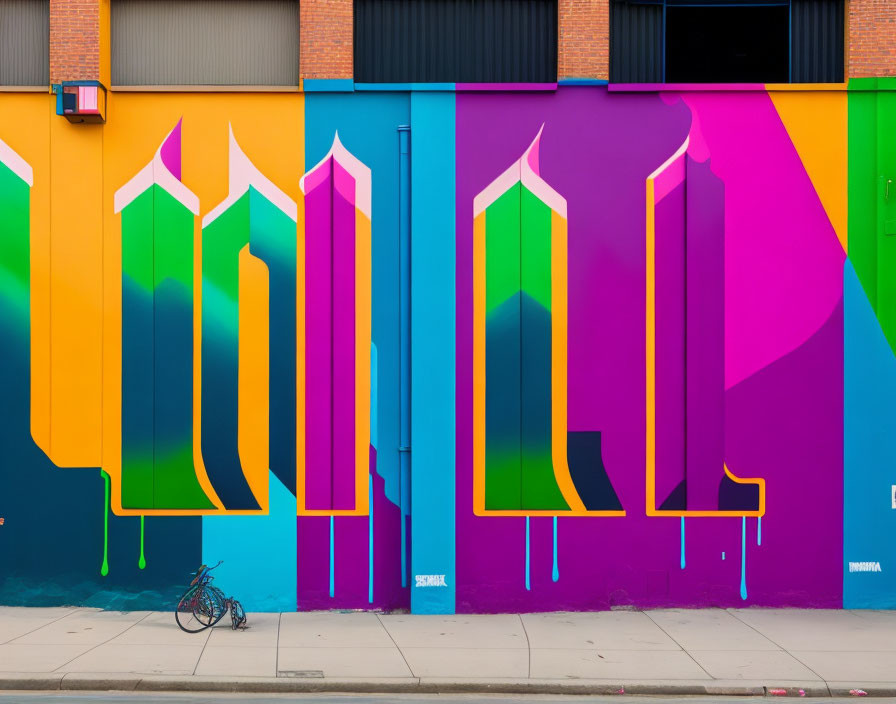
(141, 698)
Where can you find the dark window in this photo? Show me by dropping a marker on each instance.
(205, 42)
(726, 41)
(818, 39)
(455, 41)
(727, 44)
(24, 42)
(636, 41)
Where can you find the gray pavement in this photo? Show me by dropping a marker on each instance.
(675, 652)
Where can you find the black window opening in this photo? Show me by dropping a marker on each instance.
(713, 44)
(455, 41)
(727, 41)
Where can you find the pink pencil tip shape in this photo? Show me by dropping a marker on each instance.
(170, 151)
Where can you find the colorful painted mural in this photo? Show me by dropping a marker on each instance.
(400, 350)
(705, 346)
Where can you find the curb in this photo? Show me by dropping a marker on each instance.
(413, 685)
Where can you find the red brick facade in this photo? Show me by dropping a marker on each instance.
(74, 40)
(872, 38)
(584, 41)
(326, 49)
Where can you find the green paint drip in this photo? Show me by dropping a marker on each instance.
(104, 570)
(142, 562)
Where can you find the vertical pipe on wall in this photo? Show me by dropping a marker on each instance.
(404, 285)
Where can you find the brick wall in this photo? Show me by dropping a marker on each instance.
(326, 38)
(74, 40)
(584, 44)
(872, 38)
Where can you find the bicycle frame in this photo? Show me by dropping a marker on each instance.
(202, 574)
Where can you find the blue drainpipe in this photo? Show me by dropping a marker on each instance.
(404, 286)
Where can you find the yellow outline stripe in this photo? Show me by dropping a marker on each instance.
(559, 379)
(650, 381)
(363, 339)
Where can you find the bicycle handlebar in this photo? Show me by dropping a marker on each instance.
(203, 571)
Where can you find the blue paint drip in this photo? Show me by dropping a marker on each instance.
(528, 583)
(743, 558)
(404, 552)
(555, 572)
(723, 555)
(683, 562)
(370, 541)
(332, 561)
(759, 531)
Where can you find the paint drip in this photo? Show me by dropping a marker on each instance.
(743, 558)
(528, 583)
(759, 531)
(555, 571)
(404, 551)
(370, 541)
(683, 561)
(141, 563)
(104, 570)
(332, 561)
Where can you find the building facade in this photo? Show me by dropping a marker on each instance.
(504, 305)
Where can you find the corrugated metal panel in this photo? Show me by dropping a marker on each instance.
(455, 41)
(24, 42)
(205, 42)
(817, 31)
(636, 42)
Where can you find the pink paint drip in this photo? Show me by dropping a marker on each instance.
(532, 154)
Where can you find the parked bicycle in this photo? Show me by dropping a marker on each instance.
(203, 604)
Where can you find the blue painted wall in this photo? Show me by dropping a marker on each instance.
(869, 471)
(433, 350)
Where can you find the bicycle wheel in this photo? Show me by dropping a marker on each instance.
(237, 615)
(198, 609)
(219, 602)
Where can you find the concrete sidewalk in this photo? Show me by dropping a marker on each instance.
(714, 651)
